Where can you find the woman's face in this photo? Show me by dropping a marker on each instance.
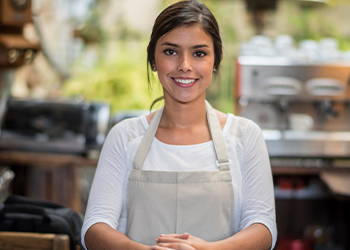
(184, 59)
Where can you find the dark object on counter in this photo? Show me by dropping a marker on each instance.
(54, 126)
(6, 177)
(289, 243)
(22, 214)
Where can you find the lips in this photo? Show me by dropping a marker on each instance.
(185, 82)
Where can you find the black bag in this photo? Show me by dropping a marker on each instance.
(22, 214)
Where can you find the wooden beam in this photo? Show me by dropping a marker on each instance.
(31, 241)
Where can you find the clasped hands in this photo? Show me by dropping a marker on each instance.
(178, 242)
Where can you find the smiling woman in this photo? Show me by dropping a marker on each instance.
(184, 59)
(186, 176)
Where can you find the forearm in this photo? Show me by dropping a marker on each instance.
(254, 237)
(102, 236)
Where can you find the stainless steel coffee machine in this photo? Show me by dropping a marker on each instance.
(302, 108)
(58, 126)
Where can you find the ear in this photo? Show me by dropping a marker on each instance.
(153, 66)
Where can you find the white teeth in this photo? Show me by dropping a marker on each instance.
(185, 81)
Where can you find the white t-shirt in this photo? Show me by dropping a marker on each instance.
(250, 170)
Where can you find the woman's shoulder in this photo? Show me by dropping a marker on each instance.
(130, 128)
(241, 127)
(222, 117)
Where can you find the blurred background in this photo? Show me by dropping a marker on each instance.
(96, 49)
(72, 69)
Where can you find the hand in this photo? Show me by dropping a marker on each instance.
(172, 246)
(179, 242)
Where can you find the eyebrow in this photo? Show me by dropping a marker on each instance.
(177, 46)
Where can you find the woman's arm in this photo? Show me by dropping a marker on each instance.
(101, 236)
(254, 237)
(258, 201)
(106, 195)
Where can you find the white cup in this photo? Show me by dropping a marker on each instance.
(301, 122)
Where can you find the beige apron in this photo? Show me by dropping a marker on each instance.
(197, 202)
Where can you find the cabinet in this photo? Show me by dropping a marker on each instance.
(47, 176)
(302, 209)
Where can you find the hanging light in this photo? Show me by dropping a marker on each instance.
(261, 5)
(257, 9)
(20, 4)
(13, 55)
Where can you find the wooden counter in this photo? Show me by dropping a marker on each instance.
(307, 170)
(48, 176)
(45, 159)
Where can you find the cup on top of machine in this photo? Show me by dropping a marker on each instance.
(300, 122)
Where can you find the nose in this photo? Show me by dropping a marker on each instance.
(185, 64)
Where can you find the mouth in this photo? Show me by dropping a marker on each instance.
(185, 82)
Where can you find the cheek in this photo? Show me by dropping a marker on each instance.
(164, 66)
(162, 70)
(206, 69)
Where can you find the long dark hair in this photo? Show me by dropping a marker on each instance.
(184, 13)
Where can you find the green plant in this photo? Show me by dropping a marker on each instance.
(119, 79)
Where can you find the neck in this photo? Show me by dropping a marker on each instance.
(183, 115)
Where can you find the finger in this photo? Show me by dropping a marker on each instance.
(185, 236)
(169, 235)
(169, 240)
(165, 245)
(176, 246)
(157, 247)
(180, 236)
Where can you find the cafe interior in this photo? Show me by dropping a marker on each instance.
(296, 89)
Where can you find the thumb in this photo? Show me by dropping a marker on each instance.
(184, 236)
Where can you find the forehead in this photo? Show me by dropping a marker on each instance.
(187, 36)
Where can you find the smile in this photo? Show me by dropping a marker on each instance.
(184, 81)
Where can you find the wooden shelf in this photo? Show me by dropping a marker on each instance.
(306, 170)
(45, 159)
(48, 176)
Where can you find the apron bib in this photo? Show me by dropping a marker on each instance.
(198, 202)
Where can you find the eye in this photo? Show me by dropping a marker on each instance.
(199, 54)
(170, 52)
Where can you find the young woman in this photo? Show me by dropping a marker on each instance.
(186, 176)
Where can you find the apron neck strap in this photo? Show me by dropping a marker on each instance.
(218, 138)
(215, 131)
(147, 140)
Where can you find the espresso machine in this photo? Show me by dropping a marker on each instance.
(43, 125)
(302, 106)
